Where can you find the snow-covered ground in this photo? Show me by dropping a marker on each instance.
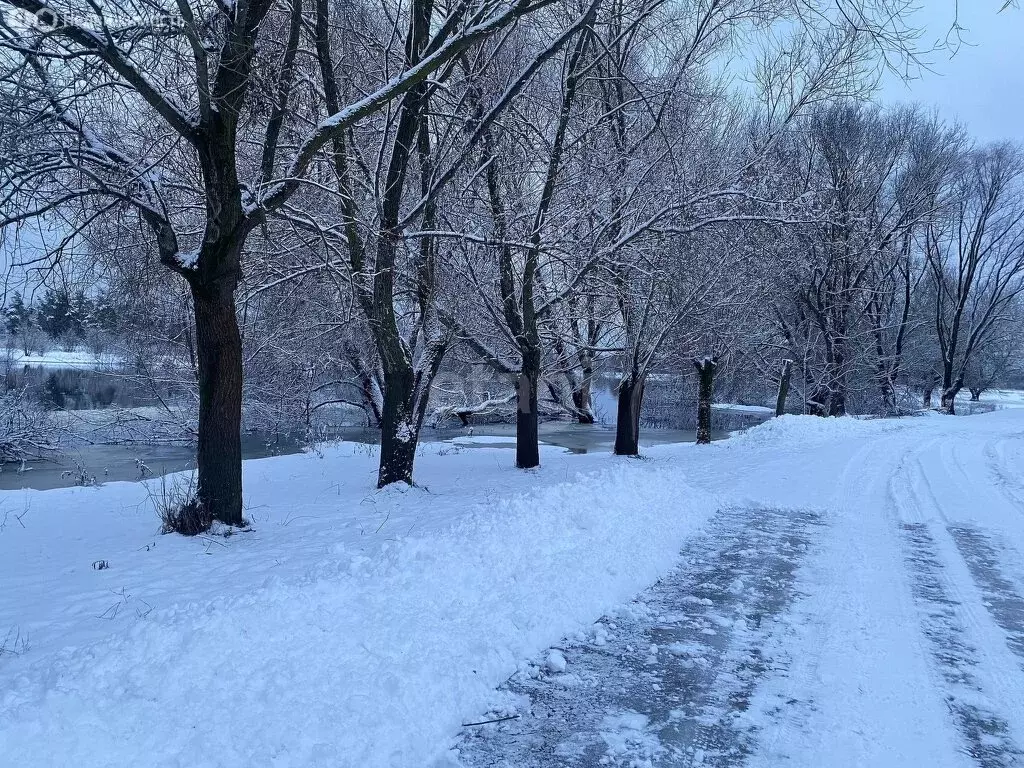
(1003, 398)
(360, 628)
(59, 358)
(761, 410)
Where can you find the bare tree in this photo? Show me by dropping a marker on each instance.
(186, 165)
(976, 259)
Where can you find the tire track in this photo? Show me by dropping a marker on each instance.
(986, 734)
(1003, 475)
(1001, 597)
(666, 681)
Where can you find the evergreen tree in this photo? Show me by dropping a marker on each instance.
(55, 313)
(81, 311)
(17, 316)
(104, 316)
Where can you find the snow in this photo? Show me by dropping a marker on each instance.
(902, 639)
(864, 647)
(795, 432)
(741, 408)
(353, 627)
(483, 439)
(350, 628)
(1003, 398)
(555, 662)
(628, 739)
(188, 259)
(77, 358)
(405, 432)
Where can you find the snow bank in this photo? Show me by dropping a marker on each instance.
(797, 431)
(366, 660)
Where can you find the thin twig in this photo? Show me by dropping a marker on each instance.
(498, 720)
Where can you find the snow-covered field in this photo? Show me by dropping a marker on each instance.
(360, 628)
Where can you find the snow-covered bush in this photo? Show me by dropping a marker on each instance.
(26, 430)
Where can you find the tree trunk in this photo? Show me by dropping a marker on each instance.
(887, 389)
(830, 395)
(837, 403)
(398, 428)
(817, 405)
(219, 355)
(582, 401)
(949, 396)
(627, 421)
(976, 394)
(784, 379)
(950, 388)
(929, 389)
(706, 379)
(527, 447)
(837, 384)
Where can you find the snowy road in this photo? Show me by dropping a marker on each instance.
(883, 628)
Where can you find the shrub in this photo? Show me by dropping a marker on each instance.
(179, 508)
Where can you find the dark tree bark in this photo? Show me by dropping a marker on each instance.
(581, 384)
(406, 381)
(951, 384)
(888, 362)
(398, 432)
(784, 379)
(829, 397)
(837, 404)
(929, 389)
(817, 404)
(949, 393)
(976, 394)
(527, 446)
(627, 421)
(212, 281)
(521, 312)
(219, 357)
(837, 373)
(398, 435)
(706, 379)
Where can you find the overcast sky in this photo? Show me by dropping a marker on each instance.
(983, 84)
